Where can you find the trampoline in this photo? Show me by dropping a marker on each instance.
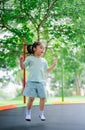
(58, 117)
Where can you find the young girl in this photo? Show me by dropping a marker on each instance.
(35, 86)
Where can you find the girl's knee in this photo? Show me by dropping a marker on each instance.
(42, 99)
(31, 99)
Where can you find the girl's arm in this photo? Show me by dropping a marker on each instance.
(21, 62)
(53, 66)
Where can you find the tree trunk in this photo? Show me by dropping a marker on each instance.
(38, 33)
(78, 84)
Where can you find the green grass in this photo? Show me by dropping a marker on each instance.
(18, 101)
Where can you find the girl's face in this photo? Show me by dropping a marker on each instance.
(39, 50)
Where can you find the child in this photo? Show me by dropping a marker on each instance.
(35, 86)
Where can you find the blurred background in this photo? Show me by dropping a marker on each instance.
(60, 26)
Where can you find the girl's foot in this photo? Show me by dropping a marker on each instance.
(28, 117)
(42, 117)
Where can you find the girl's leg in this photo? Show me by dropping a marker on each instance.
(42, 104)
(29, 107)
(30, 102)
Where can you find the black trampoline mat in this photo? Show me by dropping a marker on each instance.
(58, 117)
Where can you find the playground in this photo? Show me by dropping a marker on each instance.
(58, 117)
(44, 36)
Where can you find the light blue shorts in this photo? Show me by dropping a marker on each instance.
(35, 89)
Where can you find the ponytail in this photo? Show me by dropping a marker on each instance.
(30, 49)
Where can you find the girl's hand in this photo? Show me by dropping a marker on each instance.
(21, 58)
(55, 61)
(52, 66)
(21, 62)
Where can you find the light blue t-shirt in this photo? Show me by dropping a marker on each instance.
(36, 67)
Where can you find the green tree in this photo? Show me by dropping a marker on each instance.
(58, 24)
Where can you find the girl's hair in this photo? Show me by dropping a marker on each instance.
(31, 46)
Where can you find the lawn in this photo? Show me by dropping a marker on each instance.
(18, 101)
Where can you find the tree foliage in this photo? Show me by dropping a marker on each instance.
(60, 25)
